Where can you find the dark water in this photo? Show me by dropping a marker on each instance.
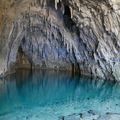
(46, 95)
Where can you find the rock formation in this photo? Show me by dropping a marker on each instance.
(77, 35)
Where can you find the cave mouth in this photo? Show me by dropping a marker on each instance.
(67, 12)
(22, 61)
(69, 23)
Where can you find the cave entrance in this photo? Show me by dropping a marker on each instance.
(67, 12)
(22, 61)
(69, 23)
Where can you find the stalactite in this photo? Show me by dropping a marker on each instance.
(56, 2)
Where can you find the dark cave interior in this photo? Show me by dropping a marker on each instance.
(22, 61)
(69, 23)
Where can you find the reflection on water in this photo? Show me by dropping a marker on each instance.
(55, 94)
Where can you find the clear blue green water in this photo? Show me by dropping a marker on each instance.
(47, 95)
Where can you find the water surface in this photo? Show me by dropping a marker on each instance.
(46, 95)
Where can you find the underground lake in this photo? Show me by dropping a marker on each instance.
(53, 95)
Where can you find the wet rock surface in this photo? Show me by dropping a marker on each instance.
(80, 36)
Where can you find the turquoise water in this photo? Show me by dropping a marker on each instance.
(46, 95)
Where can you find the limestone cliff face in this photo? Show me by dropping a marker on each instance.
(78, 35)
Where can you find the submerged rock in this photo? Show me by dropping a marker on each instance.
(71, 117)
(110, 116)
(76, 35)
(85, 116)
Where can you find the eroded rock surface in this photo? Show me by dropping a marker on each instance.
(77, 35)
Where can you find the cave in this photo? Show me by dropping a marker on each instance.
(67, 17)
(22, 61)
(67, 12)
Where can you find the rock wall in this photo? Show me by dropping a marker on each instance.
(77, 35)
